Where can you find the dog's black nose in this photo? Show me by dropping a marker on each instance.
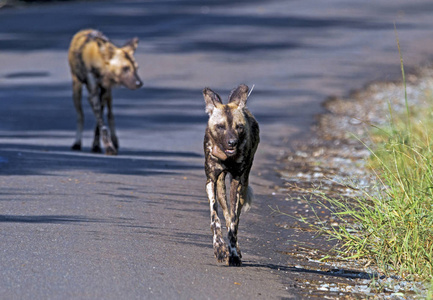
(232, 142)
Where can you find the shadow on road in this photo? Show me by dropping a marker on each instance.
(49, 219)
(342, 273)
(36, 160)
(38, 120)
(38, 125)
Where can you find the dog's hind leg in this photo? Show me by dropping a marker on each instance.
(219, 246)
(77, 87)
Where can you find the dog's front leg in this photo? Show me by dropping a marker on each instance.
(235, 207)
(76, 95)
(219, 246)
(103, 130)
(107, 99)
(95, 103)
(222, 198)
(96, 145)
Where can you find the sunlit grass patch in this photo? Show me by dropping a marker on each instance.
(390, 224)
(401, 209)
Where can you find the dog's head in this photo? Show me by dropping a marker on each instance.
(227, 124)
(123, 66)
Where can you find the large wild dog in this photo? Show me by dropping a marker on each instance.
(230, 142)
(100, 65)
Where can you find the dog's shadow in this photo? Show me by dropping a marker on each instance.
(332, 272)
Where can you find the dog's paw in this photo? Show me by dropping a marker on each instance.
(221, 256)
(221, 253)
(96, 149)
(235, 261)
(115, 142)
(76, 147)
(239, 252)
(110, 151)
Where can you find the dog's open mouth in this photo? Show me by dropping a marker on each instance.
(230, 151)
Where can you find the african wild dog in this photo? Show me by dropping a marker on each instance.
(230, 142)
(97, 63)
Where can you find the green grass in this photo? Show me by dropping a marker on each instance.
(391, 223)
(394, 221)
(401, 225)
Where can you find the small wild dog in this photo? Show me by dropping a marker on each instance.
(230, 142)
(100, 65)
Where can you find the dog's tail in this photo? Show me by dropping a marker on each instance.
(248, 200)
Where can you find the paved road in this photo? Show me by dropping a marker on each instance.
(84, 226)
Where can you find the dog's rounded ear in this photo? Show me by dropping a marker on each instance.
(108, 51)
(239, 96)
(131, 45)
(211, 99)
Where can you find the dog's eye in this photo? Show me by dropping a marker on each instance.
(126, 69)
(221, 127)
(240, 127)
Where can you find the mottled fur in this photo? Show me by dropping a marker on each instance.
(230, 142)
(100, 65)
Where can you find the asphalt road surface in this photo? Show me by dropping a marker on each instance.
(76, 225)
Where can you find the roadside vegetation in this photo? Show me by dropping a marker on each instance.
(390, 224)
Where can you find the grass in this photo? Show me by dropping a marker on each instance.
(391, 224)
(395, 219)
